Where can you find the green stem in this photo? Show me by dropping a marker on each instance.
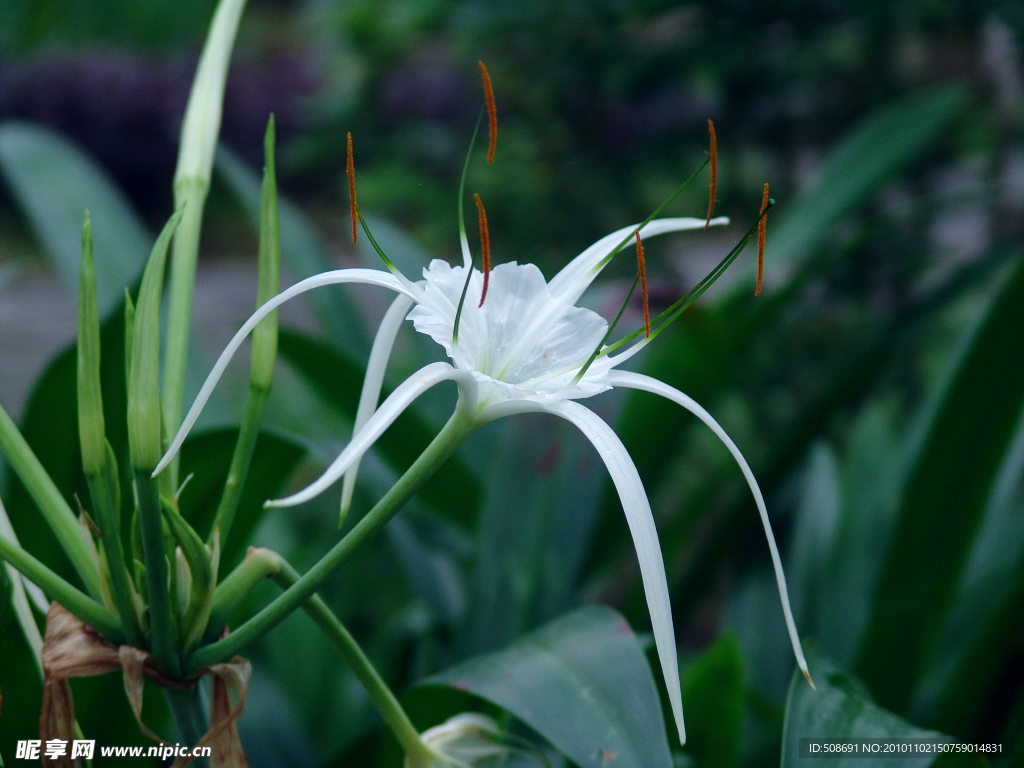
(186, 705)
(448, 439)
(240, 461)
(161, 629)
(110, 536)
(190, 192)
(80, 604)
(375, 687)
(258, 565)
(55, 509)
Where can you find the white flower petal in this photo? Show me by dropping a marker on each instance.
(503, 340)
(377, 365)
(390, 409)
(335, 277)
(648, 384)
(435, 314)
(576, 276)
(645, 538)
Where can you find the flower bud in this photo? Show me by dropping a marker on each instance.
(201, 125)
(144, 373)
(472, 740)
(91, 430)
(264, 336)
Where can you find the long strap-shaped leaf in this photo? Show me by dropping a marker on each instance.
(54, 508)
(944, 499)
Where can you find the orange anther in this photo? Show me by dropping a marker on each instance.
(641, 266)
(485, 244)
(492, 113)
(713, 154)
(350, 171)
(762, 226)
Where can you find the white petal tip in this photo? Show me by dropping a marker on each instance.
(809, 681)
(288, 501)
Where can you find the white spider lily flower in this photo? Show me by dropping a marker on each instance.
(520, 352)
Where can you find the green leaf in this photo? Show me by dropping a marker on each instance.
(873, 470)
(867, 156)
(714, 703)
(202, 570)
(50, 426)
(814, 531)
(944, 500)
(964, 692)
(841, 708)
(49, 502)
(583, 683)
(54, 181)
(972, 703)
(453, 490)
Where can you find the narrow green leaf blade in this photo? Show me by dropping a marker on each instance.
(840, 708)
(583, 683)
(870, 154)
(944, 500)
(54, 181)
(714, 702)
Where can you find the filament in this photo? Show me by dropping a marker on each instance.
(485, 245)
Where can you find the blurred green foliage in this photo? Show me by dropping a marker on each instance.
(875, 386)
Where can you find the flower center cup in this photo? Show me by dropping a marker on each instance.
(522, 342)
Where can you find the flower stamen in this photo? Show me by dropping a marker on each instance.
(485, 245)
(350, 171)
(492, 113)
(641, 266)
(713, 159)
(762, 226)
